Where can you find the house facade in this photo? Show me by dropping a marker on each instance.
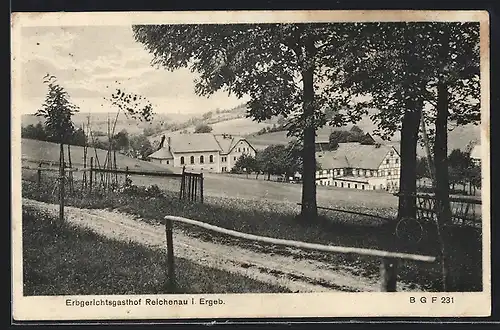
(202, 152)
(357, 166)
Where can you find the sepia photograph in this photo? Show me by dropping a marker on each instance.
(250, 164)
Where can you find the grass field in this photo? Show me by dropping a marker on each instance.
(60, 259)
(42, 150)
(277, 219)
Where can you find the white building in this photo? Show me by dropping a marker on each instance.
(475, 154)
(202, 151)
(357, 166)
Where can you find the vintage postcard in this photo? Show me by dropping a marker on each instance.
(250, 164)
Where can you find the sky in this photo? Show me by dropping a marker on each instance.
(90, 61)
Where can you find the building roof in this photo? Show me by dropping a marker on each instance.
(354, 155)
(162, 153)
(197, 142)
(193, 142)
(227, 142)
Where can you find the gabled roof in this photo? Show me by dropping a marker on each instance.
(197, 142)
(354, 155)
(227, 142)
(193, 143)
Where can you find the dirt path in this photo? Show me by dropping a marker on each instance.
(297, 274)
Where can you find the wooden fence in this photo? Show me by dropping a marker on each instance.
(388, 267)
(191, 186)
(191, 183)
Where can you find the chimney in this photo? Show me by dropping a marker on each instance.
(162, 142)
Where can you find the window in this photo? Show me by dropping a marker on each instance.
(335, 183)
(348, 185)
(202, 159)
(363, 187)
(387, 161)
(373, 187)
(211, 158)
(397, 160)
(356, 186)
(191, 160)
(234, 157)
(392, 153)
(182, 160)
(168, 162)
(389, 173)
(342, 184)
(239, 149)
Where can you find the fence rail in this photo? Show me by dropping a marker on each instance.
(388, 264)
(353, 212)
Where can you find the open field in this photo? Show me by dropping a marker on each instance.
(66, 259)
(48, 151)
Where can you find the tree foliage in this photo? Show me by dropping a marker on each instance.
(38, 132)
(57, 110)
(281, 67)
(203, 128)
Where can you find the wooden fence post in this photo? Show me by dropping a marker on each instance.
(389, 274)
(61, 183)
(192, 180)
(126, 175)
(39, 175)
(195, 192)
(91, 172)
(170, 256)
(201, 188)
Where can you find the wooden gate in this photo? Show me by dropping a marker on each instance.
(191, 186)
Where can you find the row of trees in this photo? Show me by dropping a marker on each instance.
(278, 159)
(40, 132)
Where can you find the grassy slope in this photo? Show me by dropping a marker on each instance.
(42, 150)
(60, 259)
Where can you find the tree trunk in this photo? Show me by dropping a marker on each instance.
(443, 211)
(408, 177)
(309, 206)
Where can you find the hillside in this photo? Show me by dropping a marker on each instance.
(458, 138)
(230, 121)
(99, 121)
(41, 150)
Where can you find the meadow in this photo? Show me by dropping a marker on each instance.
(48, 151)
(62, 259)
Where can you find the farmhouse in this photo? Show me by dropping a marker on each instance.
(202, 151)
(357, 166)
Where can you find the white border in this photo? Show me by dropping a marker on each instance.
(249, 305)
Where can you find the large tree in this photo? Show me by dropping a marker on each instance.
(416, 72)
(399, 67)
(57, 111)
(281, 67)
